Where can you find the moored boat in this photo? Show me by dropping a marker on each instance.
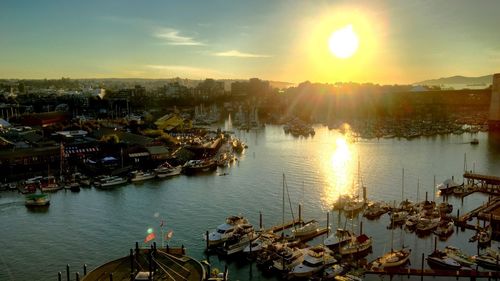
(391, 259)
(315, 259)
(225, 230)
(456, 254)
(203, 165)
(138, 176)
(441, 260)
(307, 229)
(166, 170)
(49, 184)
(359, 245)
(110, 182)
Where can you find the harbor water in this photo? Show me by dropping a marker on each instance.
(94, 226)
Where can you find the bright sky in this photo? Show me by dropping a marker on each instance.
(398, 41)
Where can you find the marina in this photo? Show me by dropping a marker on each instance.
(192, 205)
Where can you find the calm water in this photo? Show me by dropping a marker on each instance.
(94, 226)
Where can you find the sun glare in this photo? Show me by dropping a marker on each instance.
(343, 42)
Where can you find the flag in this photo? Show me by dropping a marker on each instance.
(169, 234)
(150, 237)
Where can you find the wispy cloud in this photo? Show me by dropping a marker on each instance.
(187, 71)
(238, 54)
(173, 37)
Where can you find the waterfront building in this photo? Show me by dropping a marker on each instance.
(494, 120)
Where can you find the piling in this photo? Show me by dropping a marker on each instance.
(300, 212)
(77, 275)
(150, 262)
(131, 261)
(59, 276)
(260, 220)
(327, 223)
(137, 248)
(360, 227)
(425, 196)
(111, 276)
(364, 194)
(206, 239)
(132, 278)
(67, 272)
(85, 267)
(422, 268)
(225, 272)
(435, 243)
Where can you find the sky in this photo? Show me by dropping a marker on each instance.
(283, 40)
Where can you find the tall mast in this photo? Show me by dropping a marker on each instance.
(283, 211)
(403, 186)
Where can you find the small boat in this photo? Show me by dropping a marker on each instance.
(288, 258)
(308, 229)
(341, 237)
(412, 221)
(167, 170)
(391, 259)
(445, 208)
(456, 254)
(49, 184)
(375, 210)
(426, 226)
(444, 229)
(484, 235)
(487, 261)
(240, 239)
(203, 165)
(138, 176)
(110, 182)
(341, 202)
(447, 186)
(474, 141)
(315, 259)
(330, 272)
(441, 260)
(398, 217)
(225, 230)
(37, 200)
(357, 245)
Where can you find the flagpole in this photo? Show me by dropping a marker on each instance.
(162, 237)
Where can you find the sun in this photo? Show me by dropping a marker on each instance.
(343, 42)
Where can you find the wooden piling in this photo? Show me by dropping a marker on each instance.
(207, 241)
(327, 223)
(77, 275)
(425, 196)
(67, 272)
(435, 243)
(59, 276)
(422, 268)
(111, 276)
(131, 261)
(260, 220)
(225, 272)
(85, 267)
(300, 212)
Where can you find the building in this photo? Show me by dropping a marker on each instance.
(494, 119)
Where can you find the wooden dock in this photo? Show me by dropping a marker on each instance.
(286, 225)
(471, 273)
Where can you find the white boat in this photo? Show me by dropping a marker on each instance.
(109, 182)
(315, 259)
(339, 238)
(288, 258)
(354, 205)
(391, 259)
(444, 229)
(257, 245)
(167, 170)
(309, 228)
(332, 271)
(238, 241)
(484, 235)
(398, 217)
(487, 261)
(138, 176)
(357, 245)
(456, 254)
(447, 186)
(225, 230)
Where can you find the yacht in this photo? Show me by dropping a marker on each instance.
(357, 245)
(288, 258)
(203, 165)
(441, 260)
(444, 229)
(167, 170)
(339, 238)
(308, 229)
(225, 230)
(447, 186)
(241, 238)
(138, 176)
(110, 182)
(391, 259)
(456, 254)
(315, 259)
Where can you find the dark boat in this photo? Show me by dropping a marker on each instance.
(440, 259)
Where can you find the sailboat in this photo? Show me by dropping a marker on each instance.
(393, 258)
(356, 204)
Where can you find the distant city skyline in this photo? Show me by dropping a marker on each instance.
(399, 41)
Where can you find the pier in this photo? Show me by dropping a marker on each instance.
(486, 183)
(471, 273)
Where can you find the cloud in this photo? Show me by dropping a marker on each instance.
(173, 37)
(238, 54)
(187, 71)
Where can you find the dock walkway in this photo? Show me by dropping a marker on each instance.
(437, 272)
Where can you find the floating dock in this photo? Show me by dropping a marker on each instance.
(471, 273)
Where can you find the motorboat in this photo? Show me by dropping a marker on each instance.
(110, 182)
(398, 217)
(354, 206)
(357, 245)
(447, 186)
(307, 229)
(315, 259)
(426, 225)
(225, 230)
(37, 200)
(411, 221)
(138, 176)
(444, 229)
(288, 258)
(441, 260)
(375, 210)
(167, 170)
(331, 272)
(49, 184)
(484, 235)
(339, 238)
(456, 254)
(391, 259)
(240, 239)
(487, 261)
(203, 165)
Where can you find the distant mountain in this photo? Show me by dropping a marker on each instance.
(458, 80)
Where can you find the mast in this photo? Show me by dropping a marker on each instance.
(403, 186)
(283, 209)
(418, 188)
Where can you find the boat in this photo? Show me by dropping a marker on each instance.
(288, 258)
(354, 205)
(225, 230)
(110, 182)
(427, 225)
(444, 229)
(474, 141)
(330, 272)
(487, 261)
(37, 200)
(49, 184)
(398, 217)
(138, 176)
(166, 170)
(259, 244)
(484, 235)
(203, 165)
(241, 238)
(447, 186)
(456, 254)
(411, 221)
(315, 259)
(339, 238)
(375, 210)
(307, 229)
(341, 202)
(357, 245)
(391, 259)
(441, 260)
